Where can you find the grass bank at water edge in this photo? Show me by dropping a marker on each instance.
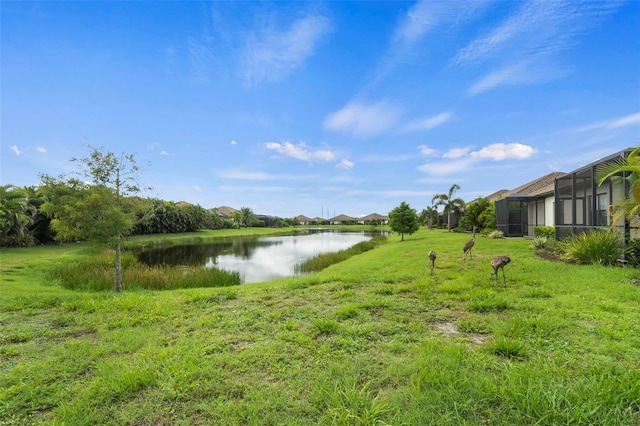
(375, 339)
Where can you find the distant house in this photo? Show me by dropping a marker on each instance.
(342, 219)
(304, 220)
(581, 204)
(380, 219)
(225, 211)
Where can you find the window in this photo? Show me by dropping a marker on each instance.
(602, 203)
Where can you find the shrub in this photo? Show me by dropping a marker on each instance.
(495, 234)
(632, 253)
(593, 247)
(544, 231)
(540, 242)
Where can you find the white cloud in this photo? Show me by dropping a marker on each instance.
(428, 123)
(345, 164)
(363, 120)
(15, 149)
(300, 151)
(233, 142)
(163, 152)
(455, 153)
(197, 188)
(271, 54)
(429, 152)
(41, 149)
(502, 151)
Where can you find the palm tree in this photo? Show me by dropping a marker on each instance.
(428, 216)
(236, 216)
(450, 204)
(629, 207)
(16, 215)
(246, 216)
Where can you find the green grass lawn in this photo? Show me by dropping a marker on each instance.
(373, 340)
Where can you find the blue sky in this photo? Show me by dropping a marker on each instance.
(319, 108)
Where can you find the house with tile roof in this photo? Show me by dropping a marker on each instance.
(342, 219)
(570, 202)
(380, 219)
(304, 220)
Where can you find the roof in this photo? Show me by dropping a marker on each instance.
(374, 216)
(226, 211)
(542, 185)
(341, 218)
(303, 218)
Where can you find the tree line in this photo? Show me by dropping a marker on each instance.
(70, 208)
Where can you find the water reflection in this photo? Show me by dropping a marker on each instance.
(257, 259)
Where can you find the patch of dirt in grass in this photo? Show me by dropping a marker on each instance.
(546, 255)
(450, 329)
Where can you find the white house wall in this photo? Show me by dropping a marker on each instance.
(549, 215)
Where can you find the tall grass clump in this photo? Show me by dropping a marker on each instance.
(602, 247)
(495, 234)
(97, 273)
(540, 242)
(324, 260)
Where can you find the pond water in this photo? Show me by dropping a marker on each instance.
(257, 259)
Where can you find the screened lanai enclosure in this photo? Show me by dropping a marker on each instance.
(581, 205)
(511, 216)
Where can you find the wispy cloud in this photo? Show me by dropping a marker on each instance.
(414, 26)
(428, 123)
(15, 149)
(447, 167)
(363, 120)
(345, 164)
(454, 153)
(266, 51)
(252, 175)
(612, 123)
(525, 72)
(385, 158)
(426, 151)
(258, 189)
(527, 42)
(41, 150)
(272, 53)
(301, 151)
